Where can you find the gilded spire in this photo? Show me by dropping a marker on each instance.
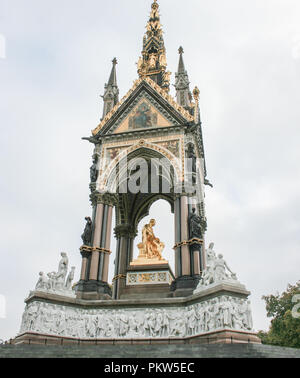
(153, 61)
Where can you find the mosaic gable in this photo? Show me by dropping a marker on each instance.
(143, 116)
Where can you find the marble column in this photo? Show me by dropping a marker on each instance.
(83, 274)
(115, 280)
(185, 253)
(177, 230)
(187, 258)
(106, 244)
(197, 262)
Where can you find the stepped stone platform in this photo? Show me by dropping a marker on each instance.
(151, 351)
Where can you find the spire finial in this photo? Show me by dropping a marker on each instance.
(111, 93)
(113, 75)
(153, 62)
(196, 93)
(182, 82)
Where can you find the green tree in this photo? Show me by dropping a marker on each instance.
(285, 324)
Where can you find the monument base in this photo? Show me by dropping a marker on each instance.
(148, 281)
(225, 336)
(184, 286)
(143, 260)
(93, 289)
(218, 314)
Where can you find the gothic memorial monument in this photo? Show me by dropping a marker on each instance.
(147, 146)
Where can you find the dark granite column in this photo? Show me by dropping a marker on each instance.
(177, 230)
(187, 258)
(94, 273)
(125, 235)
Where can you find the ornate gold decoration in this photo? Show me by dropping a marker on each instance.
(153, 60)
(171, 145)
(154, 86)
(196, 93)
(152, 278)
(90, 249)
(118, 277)
(146, 277)
(188, 242)
(150, 249)
(101, 250)
(104, 175)
(86, 248)
(130, 144)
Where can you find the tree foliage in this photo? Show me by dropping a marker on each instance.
(285, 326)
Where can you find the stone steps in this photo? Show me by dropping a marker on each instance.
(151, 351)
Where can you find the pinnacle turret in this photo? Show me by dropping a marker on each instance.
(111, 93)
(182, 83)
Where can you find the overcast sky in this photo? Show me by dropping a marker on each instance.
(244, 55)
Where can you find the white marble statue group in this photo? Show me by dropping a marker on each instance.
(231, 311)
(223, 312)
(216, 271)
(57, 282)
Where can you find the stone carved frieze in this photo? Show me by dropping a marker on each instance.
(223, 312)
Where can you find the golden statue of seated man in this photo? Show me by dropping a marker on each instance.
(151, 247)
